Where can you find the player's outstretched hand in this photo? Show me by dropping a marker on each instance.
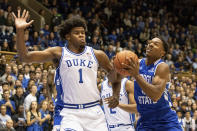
(132, 67)
(112, 101)
(21, 20)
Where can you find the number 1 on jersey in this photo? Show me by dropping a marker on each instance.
(80, 76)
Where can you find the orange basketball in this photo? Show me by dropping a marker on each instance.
(121, 58)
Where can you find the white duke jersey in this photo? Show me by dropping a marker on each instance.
(77, 75)
(117, 115)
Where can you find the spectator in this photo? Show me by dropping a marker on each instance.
(3, 116)
(33, 118)
(2, 18)
(44, 95)
(180, 119)
(9, 125)
(169, 59)
(31, 97)
(45, 116)
(8, 71)
(46, 30)
(5, 46)
(42, 13)
(52, 41)
(19, 119)
(5, 86)
(10, 105)
(110, 52)
(188, 122)
(18, 98)
(51, 112)
(95, 44)
(57, 18)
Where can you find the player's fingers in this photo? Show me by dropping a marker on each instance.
(113, 105)
(14, 15)
(126, 67)
(29, 23)
(23, 14)
(26, 14)
(107, 100)
(19, 13)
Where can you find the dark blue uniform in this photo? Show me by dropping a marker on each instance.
(158, 115)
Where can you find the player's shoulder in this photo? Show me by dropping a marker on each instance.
(162, 68)
(163, 65)
(100, 55)
(99, 52)
(56, 51)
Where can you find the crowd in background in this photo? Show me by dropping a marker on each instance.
(113, 26)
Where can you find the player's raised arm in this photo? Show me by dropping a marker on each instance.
(131, 107)
(113, 77)
(34, 56)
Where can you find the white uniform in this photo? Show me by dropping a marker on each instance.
(117, 119)
(77, 92)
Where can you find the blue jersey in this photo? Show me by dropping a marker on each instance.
(153, 113)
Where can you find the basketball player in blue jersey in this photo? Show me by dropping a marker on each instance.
(78, 95)
(118, 119)
(152, 77)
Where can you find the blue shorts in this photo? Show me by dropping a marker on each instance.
(178, 128)
(158, 126)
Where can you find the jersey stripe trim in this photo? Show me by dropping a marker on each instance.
(94, 55)
(75, 53)
(61, 58)
(156, 67)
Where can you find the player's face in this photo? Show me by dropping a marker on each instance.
(155, 48)
(77, 36)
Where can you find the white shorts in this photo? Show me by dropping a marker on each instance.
(122, 128)
(88, 119)
(56, 128)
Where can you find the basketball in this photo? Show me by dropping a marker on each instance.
(121, 58)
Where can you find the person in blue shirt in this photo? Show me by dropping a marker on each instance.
(152, 81)
(10, 105)
(45, 116)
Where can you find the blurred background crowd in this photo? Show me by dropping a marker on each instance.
(113, 26)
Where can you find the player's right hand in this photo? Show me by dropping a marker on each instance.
(21, 20)
(112, 101)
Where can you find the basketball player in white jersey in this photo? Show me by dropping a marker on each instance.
(119, 118)
(78, 96)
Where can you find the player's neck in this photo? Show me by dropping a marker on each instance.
(150, 61)
(75, 49)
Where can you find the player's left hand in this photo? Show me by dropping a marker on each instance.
(112, 101)
(132, 67)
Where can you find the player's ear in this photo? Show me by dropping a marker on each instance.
(163, 53)
(67, 36)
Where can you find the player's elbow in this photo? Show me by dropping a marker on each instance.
(23, 59)
(155, 98)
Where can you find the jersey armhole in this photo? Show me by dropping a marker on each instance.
(94, 56)
(156, 67)
(61, 58)
(124, 87)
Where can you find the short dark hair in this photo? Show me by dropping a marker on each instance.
(69, 24)
(5, 83)
(164, 43)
